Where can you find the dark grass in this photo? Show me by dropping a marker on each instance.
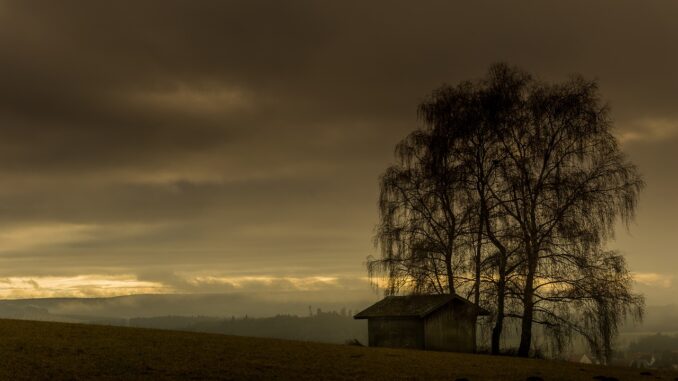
(57, 351)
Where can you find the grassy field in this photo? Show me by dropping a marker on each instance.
(58, 351)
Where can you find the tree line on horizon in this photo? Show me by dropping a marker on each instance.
(330, 327)
(507, 196)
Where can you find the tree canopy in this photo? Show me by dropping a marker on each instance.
(508, 193)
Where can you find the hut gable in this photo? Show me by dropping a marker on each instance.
(435, 322)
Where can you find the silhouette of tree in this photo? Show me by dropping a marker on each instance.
(476, 114)
(565, 184)
(509, 193)
(425, 216)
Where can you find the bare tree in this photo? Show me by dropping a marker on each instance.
(425, 217)
(567, 182)
(511, 190)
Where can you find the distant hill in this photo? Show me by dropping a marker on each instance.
(267, 316)
(152, 305)
(59, 351)
(326, 327)
(657, 318)
(213, 313)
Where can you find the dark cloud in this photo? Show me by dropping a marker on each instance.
(247, 136)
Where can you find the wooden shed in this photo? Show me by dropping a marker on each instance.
(433, 322)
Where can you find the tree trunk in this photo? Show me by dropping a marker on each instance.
(526, 327)
(450, 274)
(528, 306)
(499, 323)
(501, 298)
(479, 242)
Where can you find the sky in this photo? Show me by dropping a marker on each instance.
(222, 146)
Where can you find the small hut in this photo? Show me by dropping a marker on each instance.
(432, 322)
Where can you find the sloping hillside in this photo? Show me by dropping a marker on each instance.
(40, 350)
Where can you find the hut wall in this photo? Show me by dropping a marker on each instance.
(451, 328)
(396, 333)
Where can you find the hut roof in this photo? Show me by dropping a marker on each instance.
(411, 306)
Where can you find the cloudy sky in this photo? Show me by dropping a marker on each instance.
(185, 146)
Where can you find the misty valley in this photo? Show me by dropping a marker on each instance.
(254, 316)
